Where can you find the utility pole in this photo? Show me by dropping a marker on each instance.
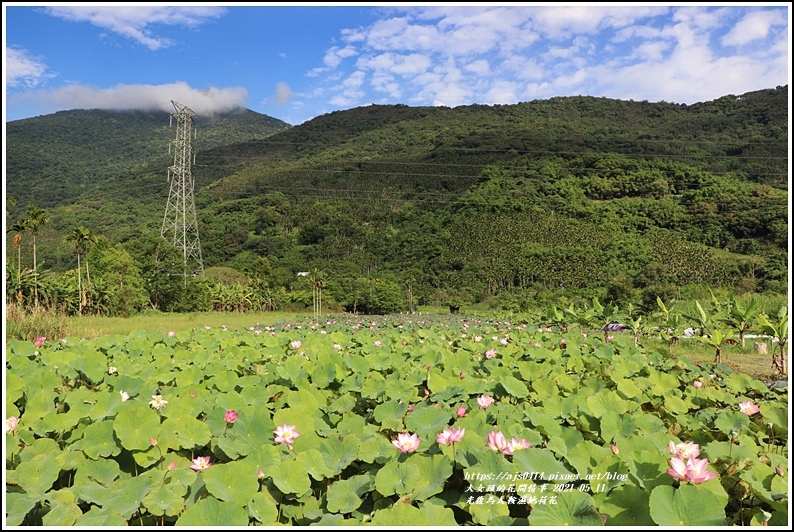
(179, 223)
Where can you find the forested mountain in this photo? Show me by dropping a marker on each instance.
(571, 197)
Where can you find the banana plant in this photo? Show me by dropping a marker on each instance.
(672, 325)
(778, 330)
(583, 317)
(740, 317)
(605, 315)
(634, 324)
(717, 339)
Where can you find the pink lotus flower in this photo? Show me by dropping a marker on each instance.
(615, 449)
(11, 424)
(40, 340)
(153, 442)
(484, 401)
(516, 445)
(260, 474)
(295, 344)
(286, 434)
(697, 384)
(693, 470)
(491, 353)
(449, 436)
(202, 462)
(171, 334)
(461, 411)
(377, 343)
(497, 441)
(748, 407)
(172, 466)
(410, 408)
(406, 443)
(230, 416)
(684, 451)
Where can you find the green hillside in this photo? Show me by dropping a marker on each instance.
(574, 196)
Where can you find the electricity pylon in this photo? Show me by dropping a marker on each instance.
(179, 223)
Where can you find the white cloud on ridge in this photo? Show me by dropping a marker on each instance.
(140, 97)
(132, 22)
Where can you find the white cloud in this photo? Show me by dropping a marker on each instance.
(753, 26)
(132, 21)
(142, 97)
(479, 67)
(502, 91)
(282, 95)
(23, 69)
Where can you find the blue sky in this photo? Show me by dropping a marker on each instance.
(298, 61)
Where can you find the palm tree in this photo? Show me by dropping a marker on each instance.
(18, 228)
(36, 219)
(80, 238)
(317, 279)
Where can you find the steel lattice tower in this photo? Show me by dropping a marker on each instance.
(179, 223)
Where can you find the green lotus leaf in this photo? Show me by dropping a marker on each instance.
(399, 515)
(37, 475)
(97, 517)
(436, 470)
(46, 446)
(489, 509)
(249, 432)
(62, 514)
(290, 477)
(390, 414)
(312, 460)
(17, 506)
(397, 478)
(573, 508)
(628, 389)
(190, 431)
(342, 404)
(541, 461)
(344, 496)
(339, 453)
(514, 387)
(125, 495)
(400, 389)
(731, 422)
(262, 457)
(648, 469)
(99, 440)
(626, 505)
(606, 401)
(136, 425)
(376, 449)
(689, 505)
(374, 386)
(439, 516)
(617, 426)
(775, 415)
(427, 421)
(232, 482)
(211, 512)
(162, 500)
(263, 508)
(92, 364)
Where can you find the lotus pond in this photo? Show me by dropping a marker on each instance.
(395, 421)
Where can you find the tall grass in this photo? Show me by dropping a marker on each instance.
(93, 326)
(31, 324)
